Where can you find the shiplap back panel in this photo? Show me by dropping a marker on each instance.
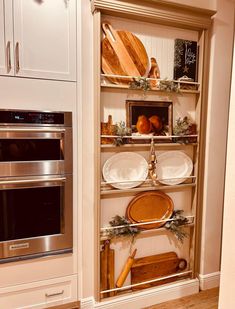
(158, 40)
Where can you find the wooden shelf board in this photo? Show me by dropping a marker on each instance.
(145, 188)
(126, 87)
(183, 274)
(108, 147)
(148, 233)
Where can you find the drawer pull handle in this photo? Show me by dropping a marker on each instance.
(17, 55)
(8, 51)
(54, 294)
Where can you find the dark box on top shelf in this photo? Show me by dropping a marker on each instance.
(185, 60)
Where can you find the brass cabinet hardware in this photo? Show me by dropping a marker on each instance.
(54, 294)
(17, 56)
(8, 56)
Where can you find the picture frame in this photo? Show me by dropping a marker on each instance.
(163, 109)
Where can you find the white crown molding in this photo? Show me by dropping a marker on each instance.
(157, 11)
(151, 296)
(209, 281)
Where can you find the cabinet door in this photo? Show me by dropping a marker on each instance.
(8, 32)
(45, 39)
(2, 41)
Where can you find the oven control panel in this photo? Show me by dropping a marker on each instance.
(31, 117)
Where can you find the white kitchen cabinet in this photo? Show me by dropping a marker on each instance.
(42, 294)
(40, 39)
(6, 36)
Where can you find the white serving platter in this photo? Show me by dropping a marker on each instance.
(125, 170)
(173, 167)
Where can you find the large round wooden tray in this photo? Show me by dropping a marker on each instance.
(122, 54)
(150, 206)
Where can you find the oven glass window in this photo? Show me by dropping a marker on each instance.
(31, 212)
(30, 150)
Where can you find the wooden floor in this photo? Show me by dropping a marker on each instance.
(203, 300)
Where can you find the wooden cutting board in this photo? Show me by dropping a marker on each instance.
(155, 266)
(150, 206)
(122, 54)
(107, 270)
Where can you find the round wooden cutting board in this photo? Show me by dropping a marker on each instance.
(150, 206)
(122, 54)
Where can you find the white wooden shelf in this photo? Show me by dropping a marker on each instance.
(151, 137)
(106, 84)
(128, 287)
(105, 192)
(144, 233)
(127, 88)
(110, 147)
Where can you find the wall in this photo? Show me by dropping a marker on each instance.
(226, 299)
(218, 102)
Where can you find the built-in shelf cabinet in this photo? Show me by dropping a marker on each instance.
(148, 22)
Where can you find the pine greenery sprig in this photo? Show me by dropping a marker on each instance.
(168, 86)
(140, 83)
(121, 130)
(176, 226)
(125, 231)
(184, 126)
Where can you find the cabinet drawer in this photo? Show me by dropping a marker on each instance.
(41, 294)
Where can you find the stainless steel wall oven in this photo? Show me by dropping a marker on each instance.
(35, 184)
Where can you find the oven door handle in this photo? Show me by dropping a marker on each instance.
(33, 130)
(29, 181)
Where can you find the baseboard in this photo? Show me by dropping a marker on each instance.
(209, 281)
(87, 303)
(148, 297)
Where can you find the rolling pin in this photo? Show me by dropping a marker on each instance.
(126, 269)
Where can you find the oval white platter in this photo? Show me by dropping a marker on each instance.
(173, 167)
(127, 169)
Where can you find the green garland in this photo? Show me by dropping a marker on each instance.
(143, 83)
(125, 231)
(140, 83)
(121, 130)
(175, 226)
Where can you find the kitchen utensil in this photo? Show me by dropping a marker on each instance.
(155, 266)
(126, 269)
(124, 167)
(107, 128)
(122, 54)
(150, 206)
(111, 284)
(107, 269)
(154, 72)
(173, 164)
